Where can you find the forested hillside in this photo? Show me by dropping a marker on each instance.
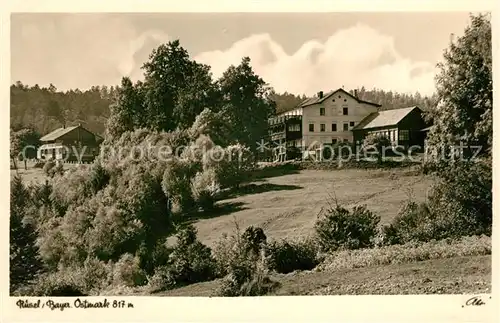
(45, 109)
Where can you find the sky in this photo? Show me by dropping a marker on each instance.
(301, 53)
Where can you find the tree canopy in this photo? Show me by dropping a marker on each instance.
(465, 89)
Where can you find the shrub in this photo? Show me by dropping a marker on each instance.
(339, 228)
(284, 256)
(204, 189)
(127, 272)
(60, 283)
(414, 222)
(99, 177)
(227, 251)
(190, 262)
(460, 204)
(232, 164)
(464, 196)
(247, 278)
(378, 143)
(47, 168)
(176, 184)
(25, 263)
(253, 239)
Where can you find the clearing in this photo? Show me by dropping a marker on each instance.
(288, 205)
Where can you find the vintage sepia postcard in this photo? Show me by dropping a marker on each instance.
(199, 162)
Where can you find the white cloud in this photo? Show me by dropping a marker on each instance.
(84, 50)
(353, 57)
(80, 50)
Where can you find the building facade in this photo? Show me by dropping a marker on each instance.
(71, 144)
(326, 119)
(404, 127)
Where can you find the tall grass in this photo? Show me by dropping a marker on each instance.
(411, 252)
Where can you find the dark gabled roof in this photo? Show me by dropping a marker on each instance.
(384, 118)
(316, 100)
(59, 132)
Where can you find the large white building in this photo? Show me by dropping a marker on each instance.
(329, 118)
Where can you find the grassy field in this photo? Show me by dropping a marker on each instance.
(288, 205)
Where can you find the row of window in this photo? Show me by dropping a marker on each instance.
(64, 151)
(345, 111)
(401, 135)
(322, 127)
(295, 143)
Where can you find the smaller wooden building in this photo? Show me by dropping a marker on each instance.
(71, 144)
(402, 126)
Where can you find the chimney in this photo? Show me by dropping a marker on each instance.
(356, 93)
(320, 94)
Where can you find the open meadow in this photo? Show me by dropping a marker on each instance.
(287, 206)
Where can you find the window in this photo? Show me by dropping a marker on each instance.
(322, 127)
(346, 140)
(334, 141)
(346, 127)
(321, 111)
(345, 111)
(333, 100)
(334, 127)
(404, 135)
(345, 100)
(351, 124)
(294, 127)
(311, 127)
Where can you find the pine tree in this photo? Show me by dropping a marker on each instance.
(25, 263)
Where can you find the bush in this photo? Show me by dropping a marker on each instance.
(232, 164)
(25, 263)
(60, 283)
(460, 204)
(204, 189)
(464, 196)
(176, 184)
(89, 279)
(47, 168)
(248, 278)
(414, 222)
(380, 144)
(127, 272)
(284, 256)
(253, 240)
(99, 178)
(339, 228)
(190, 262)
(53, 168)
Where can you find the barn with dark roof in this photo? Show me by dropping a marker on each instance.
(73, 143)
(404, 127)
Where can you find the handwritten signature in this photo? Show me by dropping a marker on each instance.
(474, 301)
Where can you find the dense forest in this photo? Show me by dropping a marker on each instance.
(45, 109)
